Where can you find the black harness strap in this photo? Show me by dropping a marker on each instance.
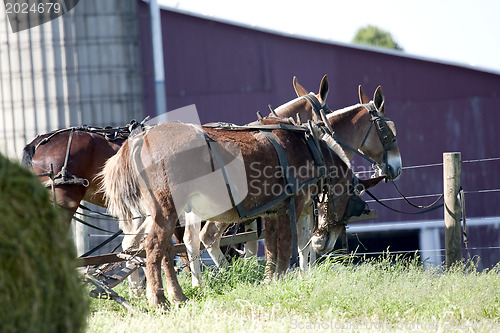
(315, 104)
(64, 177)
(290, 182)
(399, 211)
(233, 192)
(290, 190)
(314, 147)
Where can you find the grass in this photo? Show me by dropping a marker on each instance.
(390, 292)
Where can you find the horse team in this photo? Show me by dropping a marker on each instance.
(282, 168)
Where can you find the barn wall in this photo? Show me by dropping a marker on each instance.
(230, 72)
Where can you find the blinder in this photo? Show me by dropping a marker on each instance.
(385, 131)
(355, 206)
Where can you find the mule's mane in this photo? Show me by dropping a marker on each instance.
(288, 104)
(344, 111)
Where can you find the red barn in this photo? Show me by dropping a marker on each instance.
(230, 71)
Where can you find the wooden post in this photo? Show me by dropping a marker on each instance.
(451, 182)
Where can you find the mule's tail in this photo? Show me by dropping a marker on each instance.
(28, 153)
(120, 185)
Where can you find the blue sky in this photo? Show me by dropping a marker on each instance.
(459, 31)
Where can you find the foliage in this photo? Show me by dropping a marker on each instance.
(39, 286)
(371, 35)
(392, 292)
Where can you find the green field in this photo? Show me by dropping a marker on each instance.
(390, 293)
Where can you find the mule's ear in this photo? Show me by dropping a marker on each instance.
(299, 90)
(363, 99)
(379, 99)
(371, 182)
(324, 88)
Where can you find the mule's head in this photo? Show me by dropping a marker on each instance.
(306, 105)
(334, 213)
(380, 142)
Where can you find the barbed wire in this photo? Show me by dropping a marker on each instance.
(488, 159)
(436, 195)
(482, 160)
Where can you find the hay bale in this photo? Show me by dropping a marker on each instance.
(40, 290)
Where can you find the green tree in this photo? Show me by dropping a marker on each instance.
(371, 35)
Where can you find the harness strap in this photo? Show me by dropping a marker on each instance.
(370, 107)
(290, 181)
(256, 126)
(64, 177)
(315, 104)
(314, 147)
(68, 148)
(233, 192)
(357, 152)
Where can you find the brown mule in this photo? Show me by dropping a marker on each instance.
(165, 181)
(74, 158)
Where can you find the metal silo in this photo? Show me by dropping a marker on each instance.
(80, 68)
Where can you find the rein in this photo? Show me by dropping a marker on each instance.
(425, 209)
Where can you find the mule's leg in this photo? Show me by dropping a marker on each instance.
(174, 289)
(156, 246)
(178, 237)
(192, 243)
(285, 235)
(271, 238)
(303, 233)
(284, 244)
(312, 253)
(135, 231)
(210, 236)
(251, 247)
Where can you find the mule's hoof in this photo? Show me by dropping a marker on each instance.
(163, 307)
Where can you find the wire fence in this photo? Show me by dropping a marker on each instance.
(435, 195)
(438, 252)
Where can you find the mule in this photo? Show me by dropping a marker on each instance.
(300, 108)
(69, 161)
(164, 181)
(361, 128)
(353, 129)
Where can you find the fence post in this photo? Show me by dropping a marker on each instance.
(451, 183)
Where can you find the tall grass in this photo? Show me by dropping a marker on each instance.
(390, 292)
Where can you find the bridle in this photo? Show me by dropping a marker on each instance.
(355, 205)
(316, 106)
(384, 132)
